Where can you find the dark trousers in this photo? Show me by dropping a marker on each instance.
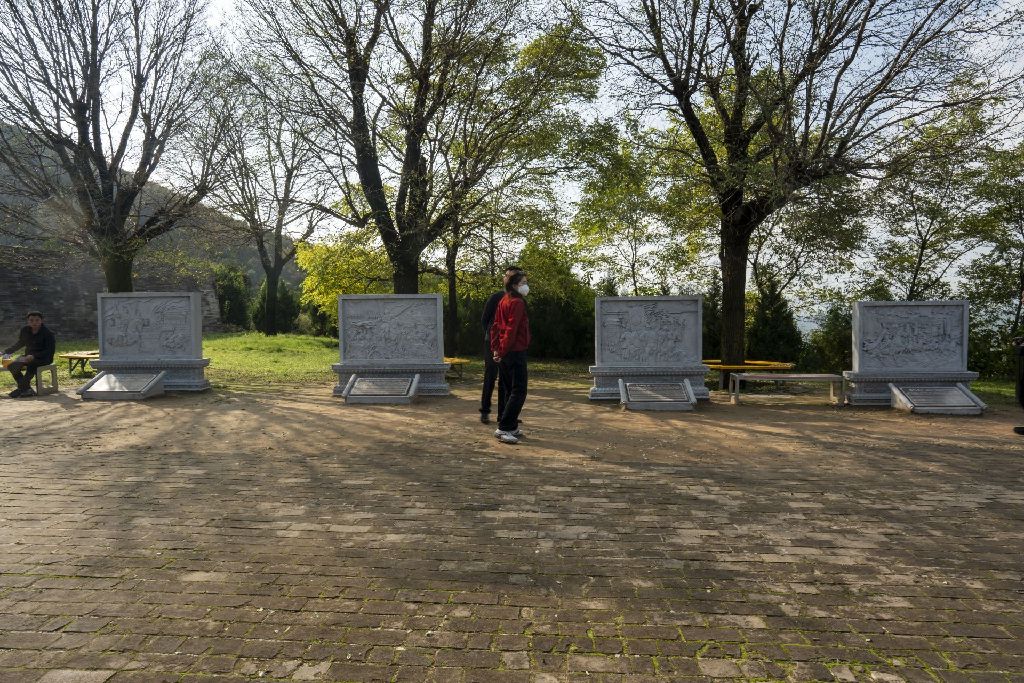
(1020, 374)
(513, 376)
(490, 379)
(24, 373)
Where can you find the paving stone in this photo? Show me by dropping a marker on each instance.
(834, 545)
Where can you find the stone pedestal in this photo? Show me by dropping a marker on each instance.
(918, 343)
(392, 335)
(646, 340)
(153, 332)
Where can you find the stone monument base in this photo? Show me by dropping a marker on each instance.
(184, 374)
(432, 375)
(872, 388)
(606, 379)
(120, 387)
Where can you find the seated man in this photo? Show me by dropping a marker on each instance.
(40, 345)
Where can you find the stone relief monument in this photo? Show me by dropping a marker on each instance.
(152, 332)
(392, 336)
(645, 340)
(915, 343)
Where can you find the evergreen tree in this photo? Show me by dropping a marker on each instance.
(773, 335)
(233, 299)
(287, 308)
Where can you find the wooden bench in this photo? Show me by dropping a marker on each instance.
(834, 381)
(79, 359)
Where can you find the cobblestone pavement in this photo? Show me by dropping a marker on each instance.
(244, 535)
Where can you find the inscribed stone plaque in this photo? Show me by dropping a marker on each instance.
(396, 328)
(150, 325)
(913, 336)
(648, 331)
(122, 382)
(937, 397)
(670, 391)
(381, 386)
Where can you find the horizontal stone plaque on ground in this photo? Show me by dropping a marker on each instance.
(657, 396)
(647, 340)
(916, 343)
(151, 332)
(943, 400)
(381, 389)
(116, 386)
(383, 335)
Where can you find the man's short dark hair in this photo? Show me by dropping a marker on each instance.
(513, 268)
(33, 313)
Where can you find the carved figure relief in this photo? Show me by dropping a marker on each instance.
(397, 330)
(143, 327)
(919, 338)
(646, 333)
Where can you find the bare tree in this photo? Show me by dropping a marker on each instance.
(93, 92)
(272, 181)
(423, 100)
(779, 95)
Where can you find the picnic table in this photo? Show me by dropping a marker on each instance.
(834, 381)
(79, 359)
(457, 366)
(751, 365)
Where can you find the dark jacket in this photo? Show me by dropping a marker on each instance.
(511, 328)
(41, 345)
(487, 319)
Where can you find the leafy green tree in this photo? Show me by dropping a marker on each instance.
(929, 211)
(352, 263)
(560, 304)
(428, 105)
(994, 280)
(773, 334)
(778, 97)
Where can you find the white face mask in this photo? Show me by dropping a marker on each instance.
(523, 289)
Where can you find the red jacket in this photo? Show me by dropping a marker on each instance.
(511, 329)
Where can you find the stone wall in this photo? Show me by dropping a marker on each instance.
(64, 288)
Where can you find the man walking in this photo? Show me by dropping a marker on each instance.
(490, 367)
(39, 344)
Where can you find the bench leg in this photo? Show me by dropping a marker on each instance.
(734, 390)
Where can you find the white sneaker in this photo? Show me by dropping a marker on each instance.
(506, 437)
(515, 432)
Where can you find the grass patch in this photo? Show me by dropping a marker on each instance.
(254, 358)
(996, 391)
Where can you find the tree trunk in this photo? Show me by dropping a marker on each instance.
(452, 314)
(735, 249)
(270, 305)
(117, 270)
(406, 277)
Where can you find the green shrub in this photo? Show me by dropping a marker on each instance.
(287, 308)
(233, 298)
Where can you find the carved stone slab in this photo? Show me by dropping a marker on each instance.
(647, 340)
(147, 325)
(114, 386)
(910, 336)
(381, 389)
(384, 335)
(913, 343)
(943, 400)
(396, 328)
(152, 332)
(657, 396)
(650, 331)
